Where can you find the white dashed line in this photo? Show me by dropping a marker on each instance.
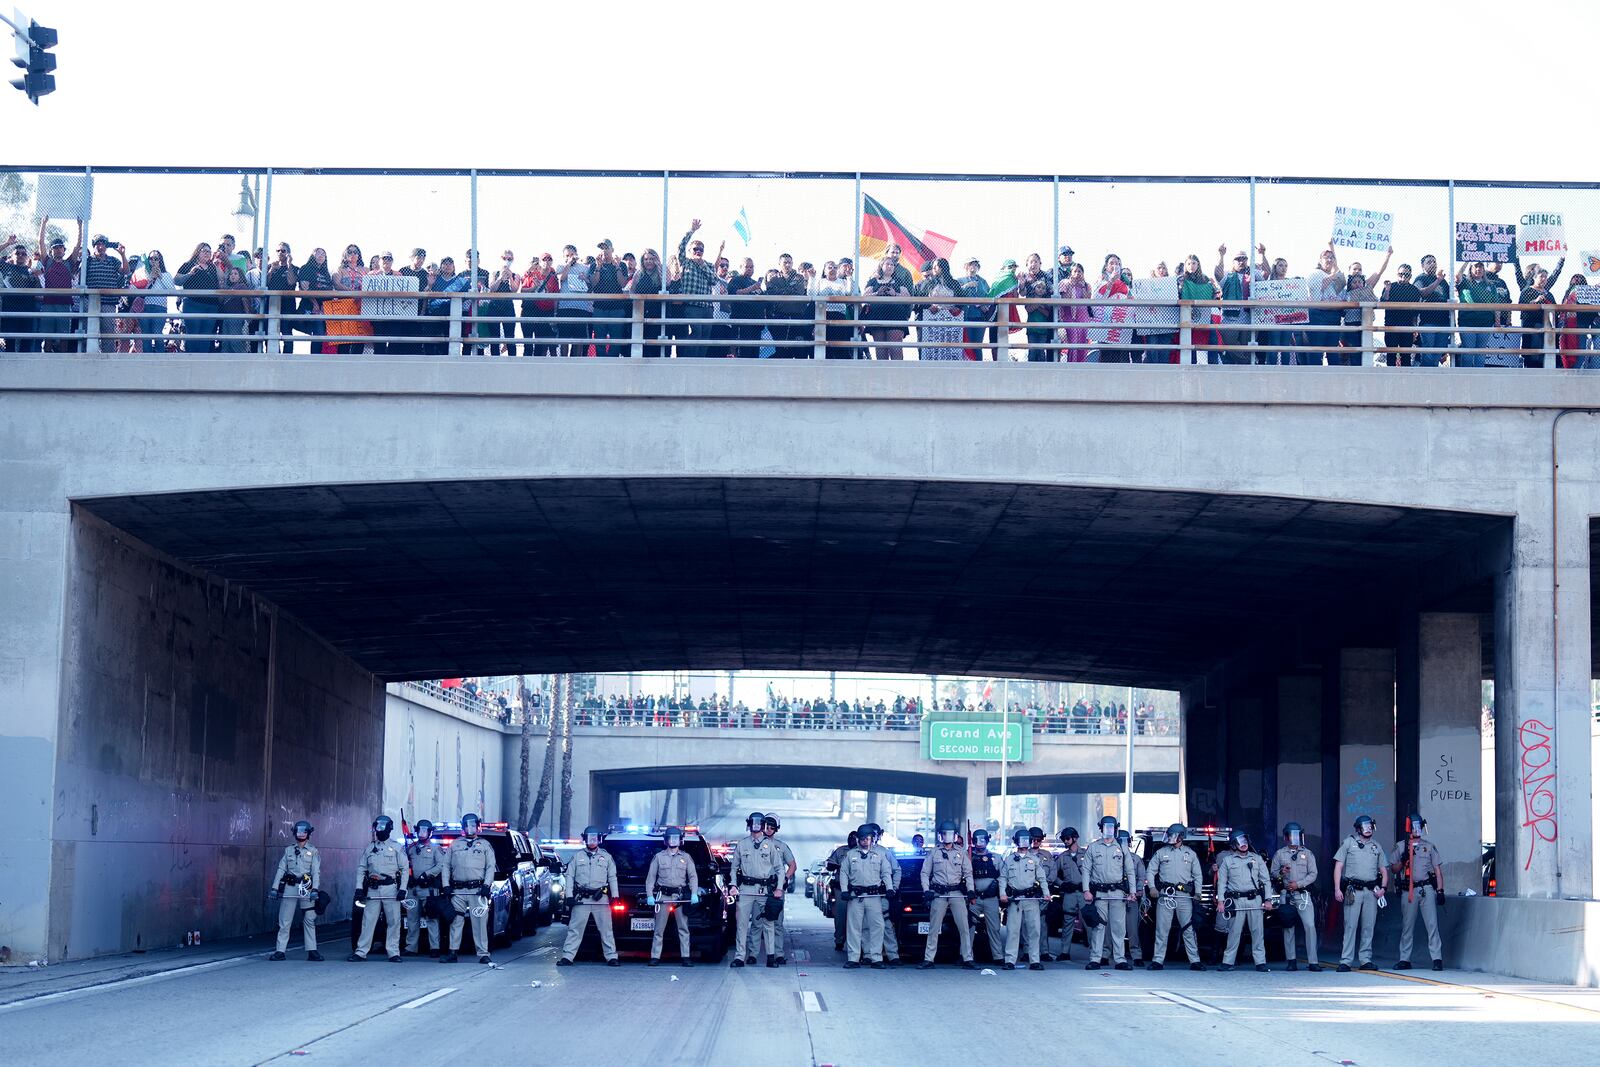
(811, 1001)
(435, 995)
(1184, 1002)
(123, 983)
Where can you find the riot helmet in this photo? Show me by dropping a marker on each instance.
(877, 830)
(424, 829)
(1108, 826)
(947, 833)
(1020, 838)
(770, 824)
(303, 830)
(1415, 824)
(1036, 835)
(1175, 833)
(1239, 839)
(592, 836)
(1365, 826)
(1070, 833)
(866, 834)
(672, 837)
(753, 822)
(1294, 834)
(382, 827)
(1123, 838)
(470, 823)
(980, 838)
(852, 839)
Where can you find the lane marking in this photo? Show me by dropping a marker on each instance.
(123, 983)
(435, 995)
(1185, 1002)
(1485, 990)
(811, 1001)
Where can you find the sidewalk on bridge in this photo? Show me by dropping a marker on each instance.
(24, 983)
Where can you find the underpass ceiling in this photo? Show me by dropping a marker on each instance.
(427, 580)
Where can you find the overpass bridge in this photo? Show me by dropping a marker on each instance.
(213, 566)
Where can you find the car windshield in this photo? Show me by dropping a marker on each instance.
(633, 858)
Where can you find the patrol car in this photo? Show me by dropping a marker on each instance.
(632, 846)
(526, 894)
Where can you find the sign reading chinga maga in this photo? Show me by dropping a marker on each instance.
(948, 739)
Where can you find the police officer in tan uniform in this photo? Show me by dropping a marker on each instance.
(1294, 872)
(1025, 886)
(757, 871)
(1360, 878)
(947, 882)
(1421, 879)
(1141, 879)
(1175, 877)
(592, 874)
(1066, 878)
(891, 940)
(1047, 860)
(773, 928)
(296, 882)
(986, 884)
(840, 912)
(670, 885)
(1107, 887)
(470, 879)
(427, 883)
(1242, 886)
(864, 880)
(381, 879)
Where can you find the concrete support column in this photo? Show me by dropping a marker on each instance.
(874, 807)
(1543, 776)
(1366, 736)
(1438, 736)
(1200, 765)
(1245, 760)
(1298, 789)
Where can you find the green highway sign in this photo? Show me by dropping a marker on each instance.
(961, 738)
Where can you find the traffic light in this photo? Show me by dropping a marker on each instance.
(35, 59)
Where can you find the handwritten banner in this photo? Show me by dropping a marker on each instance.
(1370, 231)
(1119, 317)
(380, 307)
(1285, 289)
(1151, 319)
(1540, 233)
(1586, 294)
(1485, 242)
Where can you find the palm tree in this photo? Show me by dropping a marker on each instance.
(548, 775)
(566, 758)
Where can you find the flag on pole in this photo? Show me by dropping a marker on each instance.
(880, 229)
(741, 226)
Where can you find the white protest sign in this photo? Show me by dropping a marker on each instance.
(1589, 262)
(1150, 319)
(1541, 233)
(373, 307)
(1586, 294)
(1119, 317)
(1370, 231)
(65, 196)
(1285, 289)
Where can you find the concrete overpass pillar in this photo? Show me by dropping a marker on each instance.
(1245, 758)
(1439, 736)
(1298, 788)
(1200, 764)
(874, 807)
(1366, 737)
(1542, 705)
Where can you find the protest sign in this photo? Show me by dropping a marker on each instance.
(1119, 318)
(380, 307)
(1370, 231)
(1485, 242)
(1285, 289)
(1589, 262)
(64, 196)
(1586, 294)
(1541, 233)
(1155, 319)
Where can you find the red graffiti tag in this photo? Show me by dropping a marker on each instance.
(1538, 784)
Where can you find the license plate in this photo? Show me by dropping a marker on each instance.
(922, 928)
(642, 925)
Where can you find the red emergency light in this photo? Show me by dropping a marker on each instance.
(619, 906)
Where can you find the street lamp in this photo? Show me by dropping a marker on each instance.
(244, 216)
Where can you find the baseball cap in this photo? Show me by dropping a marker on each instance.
(1008, 263)
(605, 242)
(1066, 250)
(419, 251)
(100, 239)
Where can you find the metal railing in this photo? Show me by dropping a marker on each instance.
(1062, 722)
(460, 697)
(96, 322)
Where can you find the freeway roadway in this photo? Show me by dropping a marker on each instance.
(226, 1005)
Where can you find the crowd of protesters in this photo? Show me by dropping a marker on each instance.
(579, 304)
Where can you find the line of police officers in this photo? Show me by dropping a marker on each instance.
(1108, 885)
(422, 881)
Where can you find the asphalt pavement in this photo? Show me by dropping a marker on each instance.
(226, 1005)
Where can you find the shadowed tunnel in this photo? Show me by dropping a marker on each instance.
(1151, 588)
